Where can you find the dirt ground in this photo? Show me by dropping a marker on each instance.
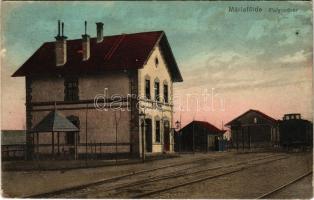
(248, 183)
(26, 183)
(253, 182)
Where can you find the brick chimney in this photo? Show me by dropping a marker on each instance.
(61, 47)
(85, 45)
(100, 36)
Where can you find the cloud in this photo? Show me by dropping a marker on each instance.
(3, 52)
(298, 57)
(259, 29)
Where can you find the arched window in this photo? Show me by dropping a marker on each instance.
(166, 92)
(255, 120)
(147, 87)
(157, 90)
(156, 61)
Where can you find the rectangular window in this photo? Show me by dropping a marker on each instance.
(71, 89)
(166, 93)
(147, 89)
(157, 91)
(157, 131)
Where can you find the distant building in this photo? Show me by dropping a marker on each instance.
(12, 144)
(254, 129)
(13, 137)
(295, 131)
(198, 136)
(135, 72)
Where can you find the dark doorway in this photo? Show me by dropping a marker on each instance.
(166, 136)
(70, 136)
(148, 135)
(216, 144)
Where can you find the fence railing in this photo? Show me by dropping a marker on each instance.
(67, 151)
(13, 152)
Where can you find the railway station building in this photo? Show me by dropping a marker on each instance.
(116, 90)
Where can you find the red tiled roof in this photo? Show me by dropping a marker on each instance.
(251, 110)
(118, 52)
(208, 126)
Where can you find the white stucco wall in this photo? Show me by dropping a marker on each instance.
(161, 73)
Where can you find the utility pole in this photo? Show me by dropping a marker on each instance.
(116, 122)
(193, 139)
(86, 135)
(242, 138)
(180, 131)
(193, 134)
(142, 115)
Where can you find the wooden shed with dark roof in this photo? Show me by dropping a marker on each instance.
(198, 136)
(252, 129)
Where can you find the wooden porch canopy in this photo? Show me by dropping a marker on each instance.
(54, 122)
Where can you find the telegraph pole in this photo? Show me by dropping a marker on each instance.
(86, 134)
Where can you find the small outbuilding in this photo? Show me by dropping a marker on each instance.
(198, 136)
(253, 129)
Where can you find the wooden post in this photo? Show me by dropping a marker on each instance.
(95, 146)
(53, 144)
(193, 140)
(75, 146)
(115, 117)
(237, 131)
(86, 150)
(100, 144)
(37, 137)
(249, 136)
(242, 138)
(58, 136)
(33, 146)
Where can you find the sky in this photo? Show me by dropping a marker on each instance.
(230, 61)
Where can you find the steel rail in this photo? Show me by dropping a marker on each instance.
(178, 174)
(111, 179)
(99, 182)
(147, 194)
(285, 185)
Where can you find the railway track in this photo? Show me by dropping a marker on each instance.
(276, 190)
(151, 185)
(203, 177)
(116, 178)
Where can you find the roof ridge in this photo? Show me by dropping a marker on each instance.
(254, 110)
(93, 38)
